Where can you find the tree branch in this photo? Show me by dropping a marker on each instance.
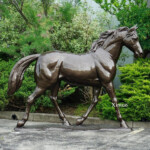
(19, 9)
(22, 2)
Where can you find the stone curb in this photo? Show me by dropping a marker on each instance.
(53, 118)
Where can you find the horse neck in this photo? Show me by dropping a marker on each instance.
(114, 46)
(115, 50)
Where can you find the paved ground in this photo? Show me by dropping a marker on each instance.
(48, 136)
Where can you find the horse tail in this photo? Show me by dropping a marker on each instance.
(16, 75)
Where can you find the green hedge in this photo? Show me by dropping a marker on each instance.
(133, 95)
(5, 68)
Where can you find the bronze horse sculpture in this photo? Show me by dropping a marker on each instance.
(96, 68)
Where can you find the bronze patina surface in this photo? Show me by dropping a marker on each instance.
(97, 68)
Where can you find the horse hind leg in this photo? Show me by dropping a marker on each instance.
(37, 92)
(53, 97)
(96, 92)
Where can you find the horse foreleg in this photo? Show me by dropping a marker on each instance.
(37, 92)
(96, 92)
(53, 97)
(111, 92)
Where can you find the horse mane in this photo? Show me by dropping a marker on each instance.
(105, 35)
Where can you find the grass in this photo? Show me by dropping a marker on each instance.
(82, 108)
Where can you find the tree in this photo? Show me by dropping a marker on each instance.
(74, 30)
(46, 4)
(130, 13)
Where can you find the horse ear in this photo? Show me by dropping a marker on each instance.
(136, 27)
(133, 28)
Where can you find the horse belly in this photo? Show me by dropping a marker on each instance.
(80, 72)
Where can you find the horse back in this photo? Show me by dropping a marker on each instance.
(78, 67)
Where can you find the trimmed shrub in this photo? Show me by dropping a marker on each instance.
(4, 75)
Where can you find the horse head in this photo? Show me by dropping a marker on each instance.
(132, 42)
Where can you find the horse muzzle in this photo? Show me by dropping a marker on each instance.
(138, 54)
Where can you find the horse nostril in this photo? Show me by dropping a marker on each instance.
(141, 54)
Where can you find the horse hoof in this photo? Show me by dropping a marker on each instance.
(20, 123)
(123, 124)
(79, 121)
(66, 123)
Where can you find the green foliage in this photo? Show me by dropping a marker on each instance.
(25, 90)
(4, 75)
(130, 13)
(68, 28)
(140, 16)
(82, 108)
(46, 4)
(10, 28)
(30, 10)
(30, 42)
(114, 6)
(134, 93)
(65, 90)
(67, 11)
(19, 39)
(77, 35)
